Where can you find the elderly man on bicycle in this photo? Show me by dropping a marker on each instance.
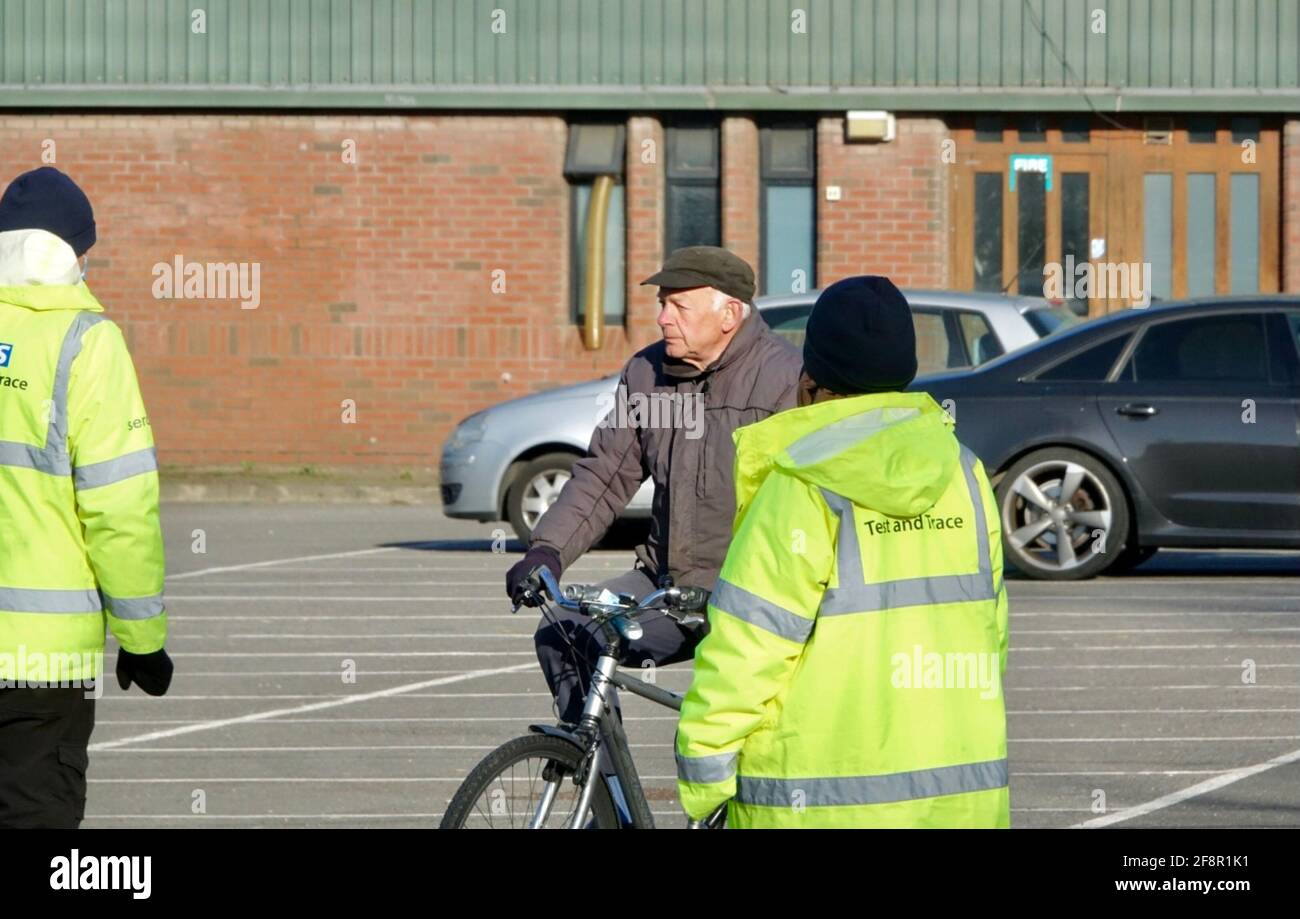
(719, 353)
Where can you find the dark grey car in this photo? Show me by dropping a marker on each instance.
(1177, 425)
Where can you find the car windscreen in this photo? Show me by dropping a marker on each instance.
(1049, 320)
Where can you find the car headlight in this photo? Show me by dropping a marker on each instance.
(470, 431)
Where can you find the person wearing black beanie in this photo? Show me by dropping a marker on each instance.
(865, 535)
(859, 339)
(46, 199)
(81, 547)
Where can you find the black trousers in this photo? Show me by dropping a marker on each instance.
(663, 642)
(44, 732)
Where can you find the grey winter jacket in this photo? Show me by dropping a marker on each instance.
(657, 432)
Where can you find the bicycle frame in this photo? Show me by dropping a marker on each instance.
(600, 733)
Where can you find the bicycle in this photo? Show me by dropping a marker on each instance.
(574, 754)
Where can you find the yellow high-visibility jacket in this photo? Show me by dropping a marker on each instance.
(80, 540)
(852, 673)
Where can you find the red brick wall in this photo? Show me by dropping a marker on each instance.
(740, 191)
(890, 218)
(644, 198)
(1290, 268)
(376, 277)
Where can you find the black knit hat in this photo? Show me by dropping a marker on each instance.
(860, 337)
(46, 199)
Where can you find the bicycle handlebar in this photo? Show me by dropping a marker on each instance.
(684, 604)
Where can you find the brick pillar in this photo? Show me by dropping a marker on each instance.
(1290, 268)
(740, 181)
(645, 226)
(892, 210)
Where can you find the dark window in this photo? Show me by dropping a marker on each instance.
(988, 128)
(1074, 129)
(1032, 221)
(937, 346)
(1244, 129)
(1284, 336)
(1088, 366)
(981, 343)
(1201, 129)
(1033, 129)
(1208, 349)
(988, 232)
(693, 206)
(789, 209)
(1048, 320)
(1074, 226)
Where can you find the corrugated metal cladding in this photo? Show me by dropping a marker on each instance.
(897, 54)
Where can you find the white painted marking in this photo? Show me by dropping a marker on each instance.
(1195, 791)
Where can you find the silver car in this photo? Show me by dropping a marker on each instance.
(510, 461)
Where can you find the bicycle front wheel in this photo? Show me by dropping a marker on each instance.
(528, 782)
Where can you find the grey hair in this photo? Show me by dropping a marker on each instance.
(720, 299)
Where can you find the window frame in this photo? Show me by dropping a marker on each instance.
(789, 178)
(713, 181)
(1259, 312)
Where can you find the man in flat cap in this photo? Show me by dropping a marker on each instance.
(851, 676)
(718, 367)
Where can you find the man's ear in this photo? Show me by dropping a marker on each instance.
(732, 311)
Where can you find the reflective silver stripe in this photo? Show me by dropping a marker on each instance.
(854, 595)
(968, 461)
(30, 457)
(27, 600)
(850, 791)
(53, 457)
(751, 608)
(57, 436)
(135, 607)
(837, 437)
(706, 770)
(122, 467)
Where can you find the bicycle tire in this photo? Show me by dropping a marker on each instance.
(464, 804)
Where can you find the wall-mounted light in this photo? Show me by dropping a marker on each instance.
(869, 126)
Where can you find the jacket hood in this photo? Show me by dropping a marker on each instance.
(892, 452)
(39, 271)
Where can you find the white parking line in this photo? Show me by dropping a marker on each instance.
(330, 598)
(276, 561)
(1195, 791)
(1214, 647)
(370, 635)
(354, 654)
(299, 709)
(1064, 666)
(1197, 687)
(1232, 739)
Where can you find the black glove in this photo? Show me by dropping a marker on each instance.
(518, 574)
(151, 672)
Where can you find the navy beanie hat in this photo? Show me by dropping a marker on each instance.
(46, 199)
(860, 338)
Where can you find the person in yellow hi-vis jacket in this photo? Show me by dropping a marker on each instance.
(857, 639)
(80, 541)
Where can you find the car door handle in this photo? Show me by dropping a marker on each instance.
(1137, 410)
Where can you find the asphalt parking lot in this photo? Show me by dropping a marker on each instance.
(1131, 688)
